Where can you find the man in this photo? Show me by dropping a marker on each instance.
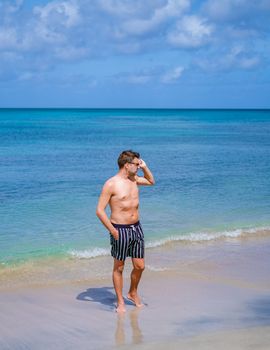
(127, 239)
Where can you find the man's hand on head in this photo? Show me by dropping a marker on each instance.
(142, 164)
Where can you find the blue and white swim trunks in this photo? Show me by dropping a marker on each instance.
(130, 241)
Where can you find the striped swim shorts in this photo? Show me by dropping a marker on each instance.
(130, 241)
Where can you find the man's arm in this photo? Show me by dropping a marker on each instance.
(148, 178)
(104, 199)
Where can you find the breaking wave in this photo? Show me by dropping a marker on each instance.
(186, 237)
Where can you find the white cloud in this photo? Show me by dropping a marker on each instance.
(239, 33)
(219, 9)
(190, 32)
(234, 9)
(172, 75)
(55, 13)
(138, 79)
(51, 24)
(157, 74)
(249, 62)
(139, 26)
(134, 78)
(234, 53)
(120, 8)
(48, 35)
(55, 31)
(237, 58)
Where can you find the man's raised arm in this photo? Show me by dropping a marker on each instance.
(148, 178)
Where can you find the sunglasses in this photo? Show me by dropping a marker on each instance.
(137, 164)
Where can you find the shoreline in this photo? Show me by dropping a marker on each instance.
(215, 293)
(55, 270)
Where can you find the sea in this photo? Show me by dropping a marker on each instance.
(211, 167)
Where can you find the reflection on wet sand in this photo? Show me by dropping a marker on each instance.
(120, 332)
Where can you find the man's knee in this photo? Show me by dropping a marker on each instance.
(120, 269)
(119, 266)
(139, 266)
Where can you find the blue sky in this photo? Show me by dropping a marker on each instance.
(120, 53)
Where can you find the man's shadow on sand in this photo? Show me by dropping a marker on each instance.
(102, 295)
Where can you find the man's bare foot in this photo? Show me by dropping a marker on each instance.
(120, 308)
(135, 299)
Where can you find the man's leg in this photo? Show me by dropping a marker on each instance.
(138, 267)
(118, 268)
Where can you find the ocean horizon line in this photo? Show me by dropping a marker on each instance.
(142, 108)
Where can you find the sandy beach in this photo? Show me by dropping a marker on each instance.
(215, 294)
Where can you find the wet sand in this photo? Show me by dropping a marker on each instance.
(214, 295)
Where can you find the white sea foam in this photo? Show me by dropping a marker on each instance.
(185, 237)
(89, 253)
(206, 236)
(156, 268)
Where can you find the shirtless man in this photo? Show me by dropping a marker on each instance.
(126, 235)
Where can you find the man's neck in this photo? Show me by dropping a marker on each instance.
(124, 175)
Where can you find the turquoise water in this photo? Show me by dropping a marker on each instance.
(211, 167)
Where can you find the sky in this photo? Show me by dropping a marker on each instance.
(135, 54)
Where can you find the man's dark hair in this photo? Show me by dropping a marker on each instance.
(127, 157)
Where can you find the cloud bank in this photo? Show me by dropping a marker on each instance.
(212, 35)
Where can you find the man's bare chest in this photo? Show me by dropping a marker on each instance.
(126, 192)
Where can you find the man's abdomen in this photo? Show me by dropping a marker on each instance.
(127, 217)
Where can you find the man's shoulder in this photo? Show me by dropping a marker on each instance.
(111, 181)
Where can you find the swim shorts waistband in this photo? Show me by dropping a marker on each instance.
(126, 225)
